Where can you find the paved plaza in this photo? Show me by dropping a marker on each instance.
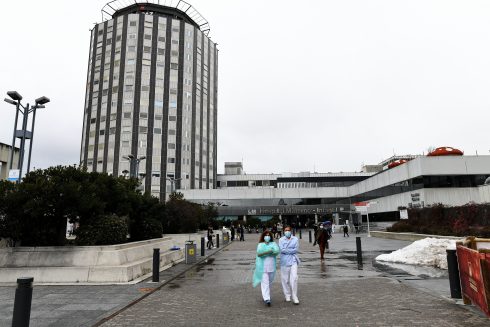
(218, 292)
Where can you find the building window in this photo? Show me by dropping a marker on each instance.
(171, 145)
(171, 160)
(157, 130)
(171, 132)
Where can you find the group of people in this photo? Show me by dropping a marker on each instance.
(239, 232)
(265, 265)
(265, 261)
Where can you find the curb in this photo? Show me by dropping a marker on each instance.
(106, 319)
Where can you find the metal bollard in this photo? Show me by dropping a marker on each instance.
(309, 236)
(217, 240)
(202, 246)
(300, 235)
(359, 253)
(453, 271)
(156, 266)
(22, 302)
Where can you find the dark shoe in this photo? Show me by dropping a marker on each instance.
(268, 303)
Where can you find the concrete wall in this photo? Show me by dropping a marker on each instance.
(410, 236)
(120, 263)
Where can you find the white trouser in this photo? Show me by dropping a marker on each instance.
(266, 284)
(289, 281)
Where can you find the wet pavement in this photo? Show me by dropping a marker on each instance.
(334, 292)
(83, 305)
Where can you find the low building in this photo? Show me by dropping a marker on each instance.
(5, 152)
(421, 181)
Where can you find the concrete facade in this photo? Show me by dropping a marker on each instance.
(152, 92)
(422, 181)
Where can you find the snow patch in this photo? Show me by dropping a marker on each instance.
(425, 252)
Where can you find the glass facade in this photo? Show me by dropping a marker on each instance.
(150, 82)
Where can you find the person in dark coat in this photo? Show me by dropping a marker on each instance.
(346, 230)
(321, 238)
(210, 238)
(242, 233)
(232, 229)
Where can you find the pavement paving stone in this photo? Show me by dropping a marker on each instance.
(80, 305)
(333, 293)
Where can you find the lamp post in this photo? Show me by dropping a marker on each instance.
(172, 183)
(134, 164)
(23, 134)
(367, 214)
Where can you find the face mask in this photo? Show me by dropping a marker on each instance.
(267, 238)
(287, 234)
(321, 227)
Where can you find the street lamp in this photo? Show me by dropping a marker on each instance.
(134, 164)
(23, 134)
(367, 214)
(172, 182)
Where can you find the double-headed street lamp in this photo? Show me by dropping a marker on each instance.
(172, 183)
(134, 164)
(23, 134)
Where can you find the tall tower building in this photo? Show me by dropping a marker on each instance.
(152, 92)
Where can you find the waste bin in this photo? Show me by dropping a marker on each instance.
(190, 252)
(226, 238)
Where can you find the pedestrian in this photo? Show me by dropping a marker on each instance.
(242, 233)
(265, 265)
(289, 245)
(210, 238)
(279, 229)
(346, 230)
(321, 238)
(315, 229)
(232, 229)
(356, 227)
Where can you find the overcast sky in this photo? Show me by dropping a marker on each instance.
(303, 85)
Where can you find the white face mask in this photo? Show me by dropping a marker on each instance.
(321, 227)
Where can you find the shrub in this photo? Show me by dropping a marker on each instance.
(106, 230)
(470, 219)
(146, 229)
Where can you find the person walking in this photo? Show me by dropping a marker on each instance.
(265, 265)
(232, 230)
(242, 233)
(321, 238)
(346, 230)
(289, 245)
(210, 243)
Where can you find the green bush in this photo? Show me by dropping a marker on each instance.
(146, 229)
(470, 219)
(106, 230)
